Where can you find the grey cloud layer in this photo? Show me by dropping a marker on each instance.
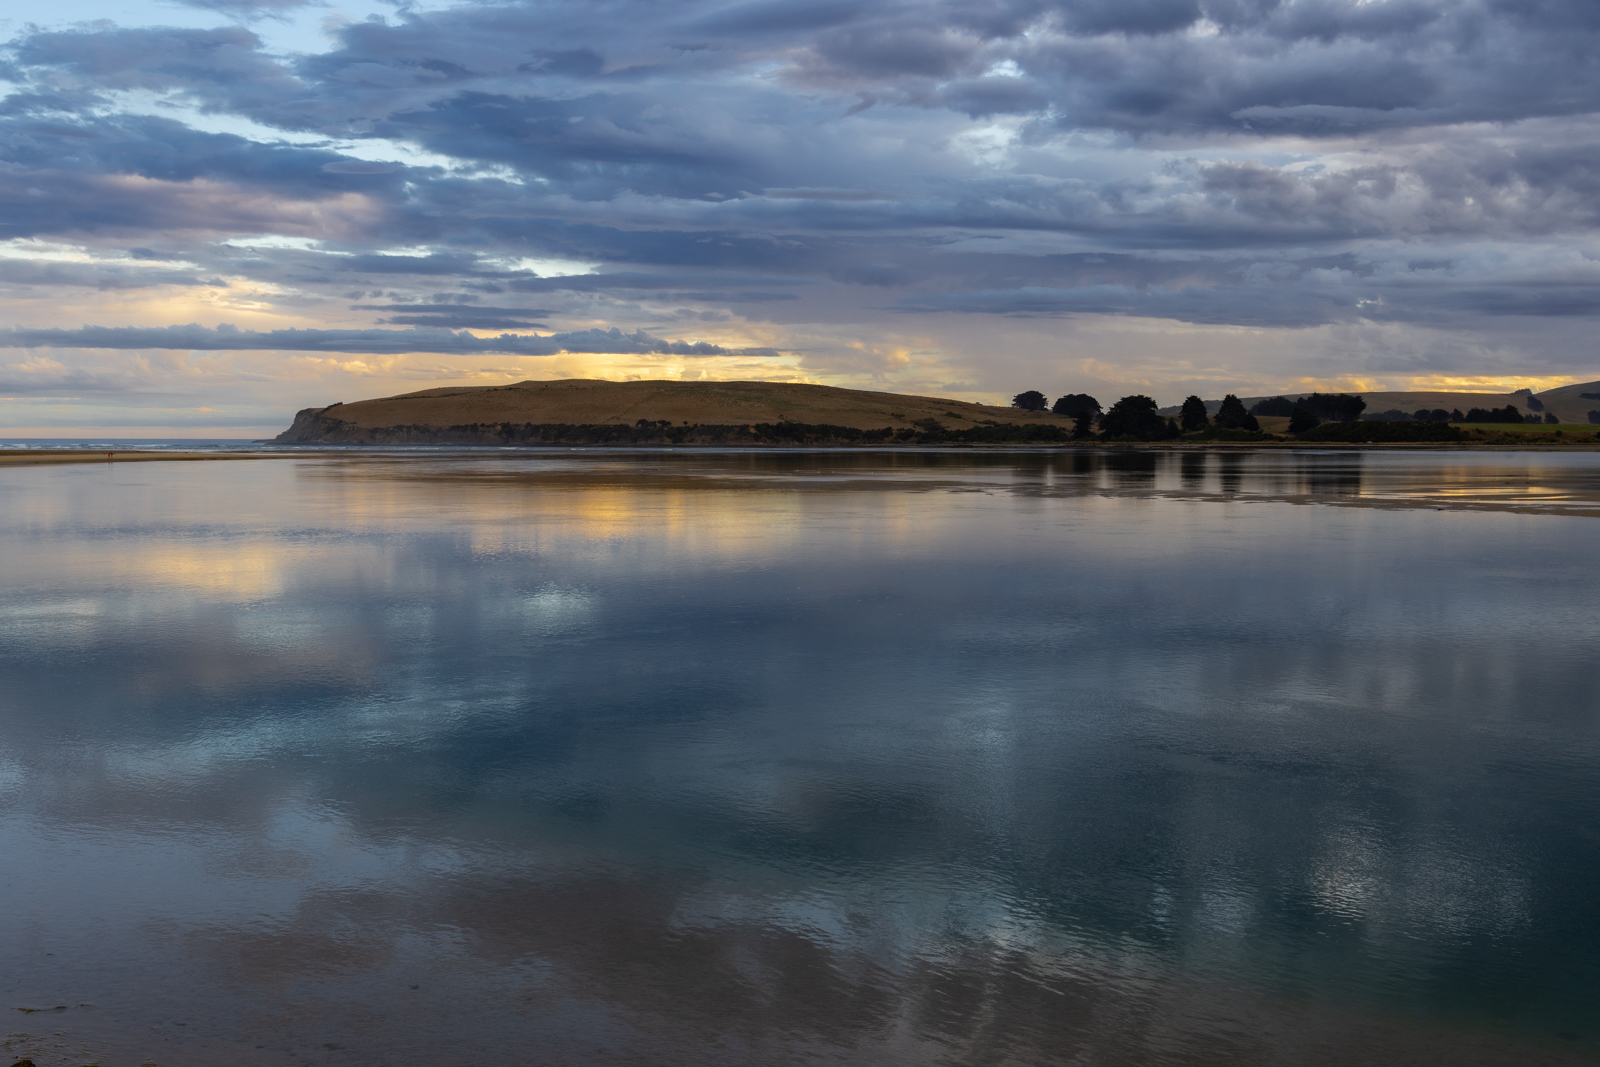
(368, 342)
(1219, 161)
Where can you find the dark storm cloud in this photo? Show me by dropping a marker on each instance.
(227, 338)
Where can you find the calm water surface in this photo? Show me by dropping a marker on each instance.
(721, 758)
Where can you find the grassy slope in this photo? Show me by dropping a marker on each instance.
(1566, 429)
(588, 401)
(1568, 406)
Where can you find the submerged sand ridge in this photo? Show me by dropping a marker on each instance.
(434, 413)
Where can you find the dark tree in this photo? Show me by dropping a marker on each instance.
(1194, 415)
(1550, 417)
(1232, 415)
(1032, 400)
(1276, 406)
(1073, 403)
(1509, 413)
(1135, 416)
(1336, 407)
(1456, 416)
(1083, 424)
(1301, 419)
(1594, 417)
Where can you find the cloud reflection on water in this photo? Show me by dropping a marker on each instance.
(705, 755)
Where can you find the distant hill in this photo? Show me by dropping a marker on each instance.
(1567, 402)
(446, 413)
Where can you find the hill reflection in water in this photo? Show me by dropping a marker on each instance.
(839, 757)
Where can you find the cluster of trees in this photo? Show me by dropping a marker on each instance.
(1307, 412)
(1420, 415)
(1132, 416)
(1509, 413)
(1324, 407)
(1137, 416)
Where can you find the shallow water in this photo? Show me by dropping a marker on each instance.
(826, 757)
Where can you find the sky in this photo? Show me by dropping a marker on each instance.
(217, 212)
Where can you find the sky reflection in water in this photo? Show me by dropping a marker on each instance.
(726, 758)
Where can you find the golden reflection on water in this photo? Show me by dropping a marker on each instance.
(703, 510)
(503, 507)
(431, 754)
(785, 480)
(238, 571)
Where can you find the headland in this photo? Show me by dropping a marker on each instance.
(595, 412)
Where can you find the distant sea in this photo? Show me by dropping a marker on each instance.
(130, 443)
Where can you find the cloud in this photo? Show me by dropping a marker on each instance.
(227, 338)
(832, 176)
(456, 316)
(249, 8)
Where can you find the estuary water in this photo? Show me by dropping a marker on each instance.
(700, 757)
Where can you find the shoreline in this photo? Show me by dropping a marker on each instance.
(54, 457)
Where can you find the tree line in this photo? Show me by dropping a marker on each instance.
(1132, 417)
(1137, 417)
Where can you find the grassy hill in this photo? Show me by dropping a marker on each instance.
(578, 410)
(431, 413)
(1568, 402)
